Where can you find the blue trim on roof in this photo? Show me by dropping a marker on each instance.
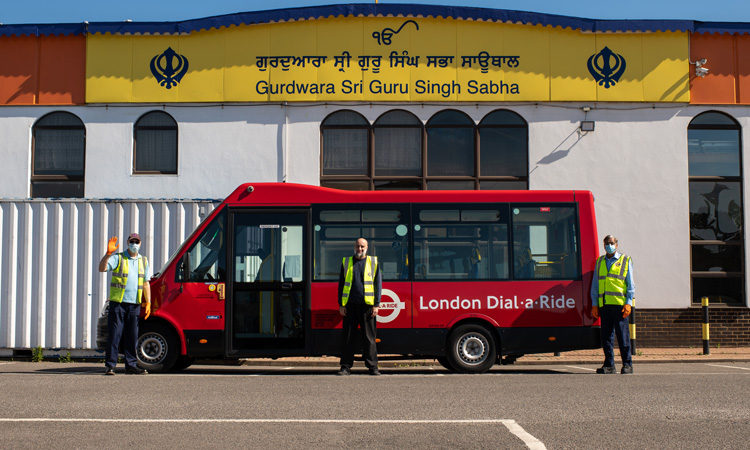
(52, 29)
(371, 9)
(722, 27)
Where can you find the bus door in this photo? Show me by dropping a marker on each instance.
(268, 289)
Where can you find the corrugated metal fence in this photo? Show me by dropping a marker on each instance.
(51, 291)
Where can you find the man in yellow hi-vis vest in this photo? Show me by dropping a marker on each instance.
(612, 292)
(128, 290)
(359, 299)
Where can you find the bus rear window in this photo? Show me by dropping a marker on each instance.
(545, 244)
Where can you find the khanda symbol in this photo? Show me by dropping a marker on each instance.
(606, 67)
(169, 68)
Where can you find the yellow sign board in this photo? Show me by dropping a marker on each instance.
(388, 59)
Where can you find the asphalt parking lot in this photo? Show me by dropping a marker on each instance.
(696, 405)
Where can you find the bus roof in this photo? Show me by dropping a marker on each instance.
(290, 194)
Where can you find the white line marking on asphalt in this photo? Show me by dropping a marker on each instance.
(4, 363)
(582, 368)
(729, 367)
(530, 441)
(353, 421)
(512, 426)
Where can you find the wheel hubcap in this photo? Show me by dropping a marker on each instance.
(152, 348)
(472, 349)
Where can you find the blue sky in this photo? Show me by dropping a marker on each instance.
(60, 11)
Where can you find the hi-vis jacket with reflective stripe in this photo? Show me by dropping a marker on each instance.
(371, 268)
(612, 285)
(120, 278)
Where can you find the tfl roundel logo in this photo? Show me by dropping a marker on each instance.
(389, 310)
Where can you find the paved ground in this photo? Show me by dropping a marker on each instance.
(641, 356)
(702, 405)
(645, 355)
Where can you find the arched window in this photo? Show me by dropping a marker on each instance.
(716, 209)
(449, 152)
(58, 156)
(398, 151)
(503, 151)
(345, 154)
(451, 162)
(155, 144)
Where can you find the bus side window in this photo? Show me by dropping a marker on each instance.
(384, 227)
(458, 242)
(544, 242)
(207, 256)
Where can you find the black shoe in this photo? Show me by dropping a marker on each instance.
(374, 371)
(626, 369)
(606, 369)
(109, 370)
(135, 371)
(344, 371)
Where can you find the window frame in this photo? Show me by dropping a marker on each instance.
(174, 128)
(475, 160)
(370, 181)
(502, 178)
(423, 162)
(63, 178)
(697, 274)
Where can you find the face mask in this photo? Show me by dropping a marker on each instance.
(610, 248)
(133, 247)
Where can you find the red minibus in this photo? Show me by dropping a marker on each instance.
(470, 278)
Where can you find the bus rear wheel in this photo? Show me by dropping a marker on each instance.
(157, 349)
(471, 349)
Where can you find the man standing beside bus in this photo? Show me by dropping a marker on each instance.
(127, 291)
(612, 292)
(360, 284)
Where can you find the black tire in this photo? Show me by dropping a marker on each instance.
(182, 363)
(471, 349)
(157, 348)
(444, 362)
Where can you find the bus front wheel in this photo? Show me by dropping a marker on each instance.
(471, 349)
(157, 349)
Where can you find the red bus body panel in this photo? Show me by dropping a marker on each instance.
(405, 305)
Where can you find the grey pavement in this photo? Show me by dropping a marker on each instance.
(595, 356)
(673, 405)
(641, 356)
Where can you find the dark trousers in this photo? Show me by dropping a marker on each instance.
(359, 315)
(122, 322)
(614, 324)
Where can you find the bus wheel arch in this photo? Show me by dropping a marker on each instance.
(472, 347)
(158, 346)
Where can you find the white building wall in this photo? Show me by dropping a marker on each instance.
(15, 148)
(635, 163)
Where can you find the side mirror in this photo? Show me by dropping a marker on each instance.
(186, 267)
(185, 275)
